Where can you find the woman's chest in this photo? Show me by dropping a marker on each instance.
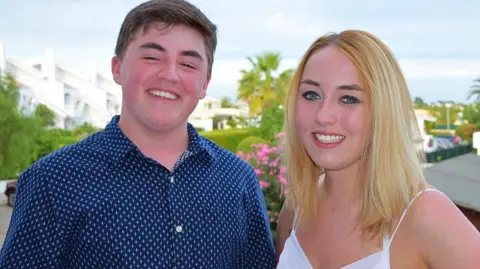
(342, 244)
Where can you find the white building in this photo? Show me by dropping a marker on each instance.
(422, 116)
(74, 98)
(210, 115)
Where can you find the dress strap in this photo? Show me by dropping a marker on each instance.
(406, 210)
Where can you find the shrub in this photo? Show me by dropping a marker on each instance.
(228, 139)
(271, 174)
(246, 145)
(271, 122)
(465, 131)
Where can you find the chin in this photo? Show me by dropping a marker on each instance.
(335, 162)
(164, 123)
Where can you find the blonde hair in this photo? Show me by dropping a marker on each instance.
(392, 156)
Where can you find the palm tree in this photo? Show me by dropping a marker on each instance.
(262, 86)
(475, 91)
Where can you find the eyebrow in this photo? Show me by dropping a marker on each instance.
(350, 87)
(156, 46)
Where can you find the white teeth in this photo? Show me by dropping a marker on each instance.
(163, 94)
(329, 138)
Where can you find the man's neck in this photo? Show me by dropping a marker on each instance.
(163, 146)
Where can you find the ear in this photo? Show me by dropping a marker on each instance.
(116, 69)
(203, 90)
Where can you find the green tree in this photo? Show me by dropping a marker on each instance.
(45, 115)
(471, 113)
(419, 103)
(227, 103)
(17, 135)
(263, 85)
(440, 112)
(474, 93)
(271, 122)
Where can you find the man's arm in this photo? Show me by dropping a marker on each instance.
(33, 239)
(261, 252)
(284, 227)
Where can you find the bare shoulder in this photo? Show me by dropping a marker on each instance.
(445, 237)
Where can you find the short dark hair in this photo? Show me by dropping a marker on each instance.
(168, 12)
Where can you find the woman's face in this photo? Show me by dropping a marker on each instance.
(331, 111)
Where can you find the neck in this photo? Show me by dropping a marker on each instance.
(159, 145)
(343, 187)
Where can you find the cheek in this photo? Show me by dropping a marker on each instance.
(354, 121)
(135, 78)
(193, 83)
(304, 116)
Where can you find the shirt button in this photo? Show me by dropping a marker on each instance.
(179, 229)
(171, 179)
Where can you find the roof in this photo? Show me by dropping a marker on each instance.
(424, 114)
(459, 179)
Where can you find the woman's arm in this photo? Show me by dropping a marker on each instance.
(447, 239)
(284, 227)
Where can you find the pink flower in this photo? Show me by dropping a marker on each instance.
(280, 135)
(264, 184)
(258, 172)
(282, 179)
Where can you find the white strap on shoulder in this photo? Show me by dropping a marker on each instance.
(406, 210)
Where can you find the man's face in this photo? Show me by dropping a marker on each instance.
(163, 75)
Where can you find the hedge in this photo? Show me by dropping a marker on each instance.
(246, 145)
(229, 138)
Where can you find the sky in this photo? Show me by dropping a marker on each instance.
(437, 42)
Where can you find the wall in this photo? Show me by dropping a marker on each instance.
(205, 124)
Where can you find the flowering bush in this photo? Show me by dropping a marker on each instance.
(265, 159)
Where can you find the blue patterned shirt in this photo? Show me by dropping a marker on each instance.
(101, 203)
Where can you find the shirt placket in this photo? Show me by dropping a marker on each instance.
(177, 214)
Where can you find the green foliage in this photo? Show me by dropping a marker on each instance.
(23, 139)
(466, 131)
(263, 85)
(84, 130)
(271, 122)
(45, 115)
(265, 159)
(228, 139)
(471, 113)
(227, 103)
(17, 134)
(429, 125)
(246, 144)
(474, 92)
(419, 103)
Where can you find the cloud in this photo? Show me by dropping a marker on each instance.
(440, 68)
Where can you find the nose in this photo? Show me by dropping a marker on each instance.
(169, 72)
(326, 113)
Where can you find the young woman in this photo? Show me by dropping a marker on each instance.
(359, 198)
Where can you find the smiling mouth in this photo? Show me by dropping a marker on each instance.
(329, 139)
(163, 94)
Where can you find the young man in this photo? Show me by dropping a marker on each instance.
(147, 191)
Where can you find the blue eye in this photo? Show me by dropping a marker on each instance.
(311, 95)
(349, 100)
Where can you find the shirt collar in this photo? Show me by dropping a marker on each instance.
(118, 145)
